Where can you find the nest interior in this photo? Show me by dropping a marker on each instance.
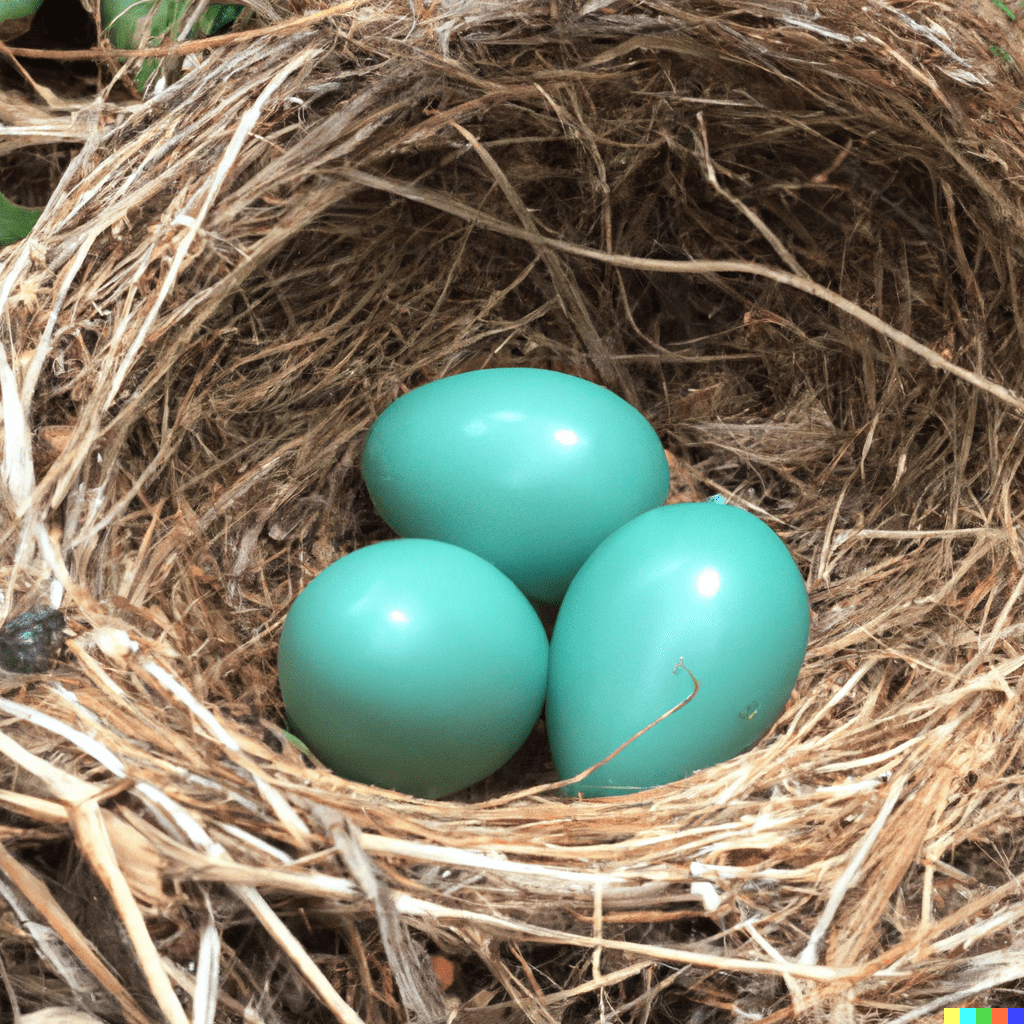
(791, 237)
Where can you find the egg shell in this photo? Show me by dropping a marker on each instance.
(528, 468)
(696, 588)
(413, 665)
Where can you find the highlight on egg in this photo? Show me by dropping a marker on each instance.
(413, 665)
(699, 603)
(530, 469)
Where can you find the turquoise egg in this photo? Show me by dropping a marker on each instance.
(413, 665)
(530, 469)
(688, 591)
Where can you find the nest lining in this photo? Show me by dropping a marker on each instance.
(236, 276)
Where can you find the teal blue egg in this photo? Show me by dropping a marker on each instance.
(686, 592)
(530, 469)
(413, 665)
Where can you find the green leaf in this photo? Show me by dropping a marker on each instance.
(216, 18)
(12, 9)
(296, 742)
(15, 221)
(125, 22)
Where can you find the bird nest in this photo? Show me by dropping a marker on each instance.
(792, 237)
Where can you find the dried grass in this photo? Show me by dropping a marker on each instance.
(792, 238)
